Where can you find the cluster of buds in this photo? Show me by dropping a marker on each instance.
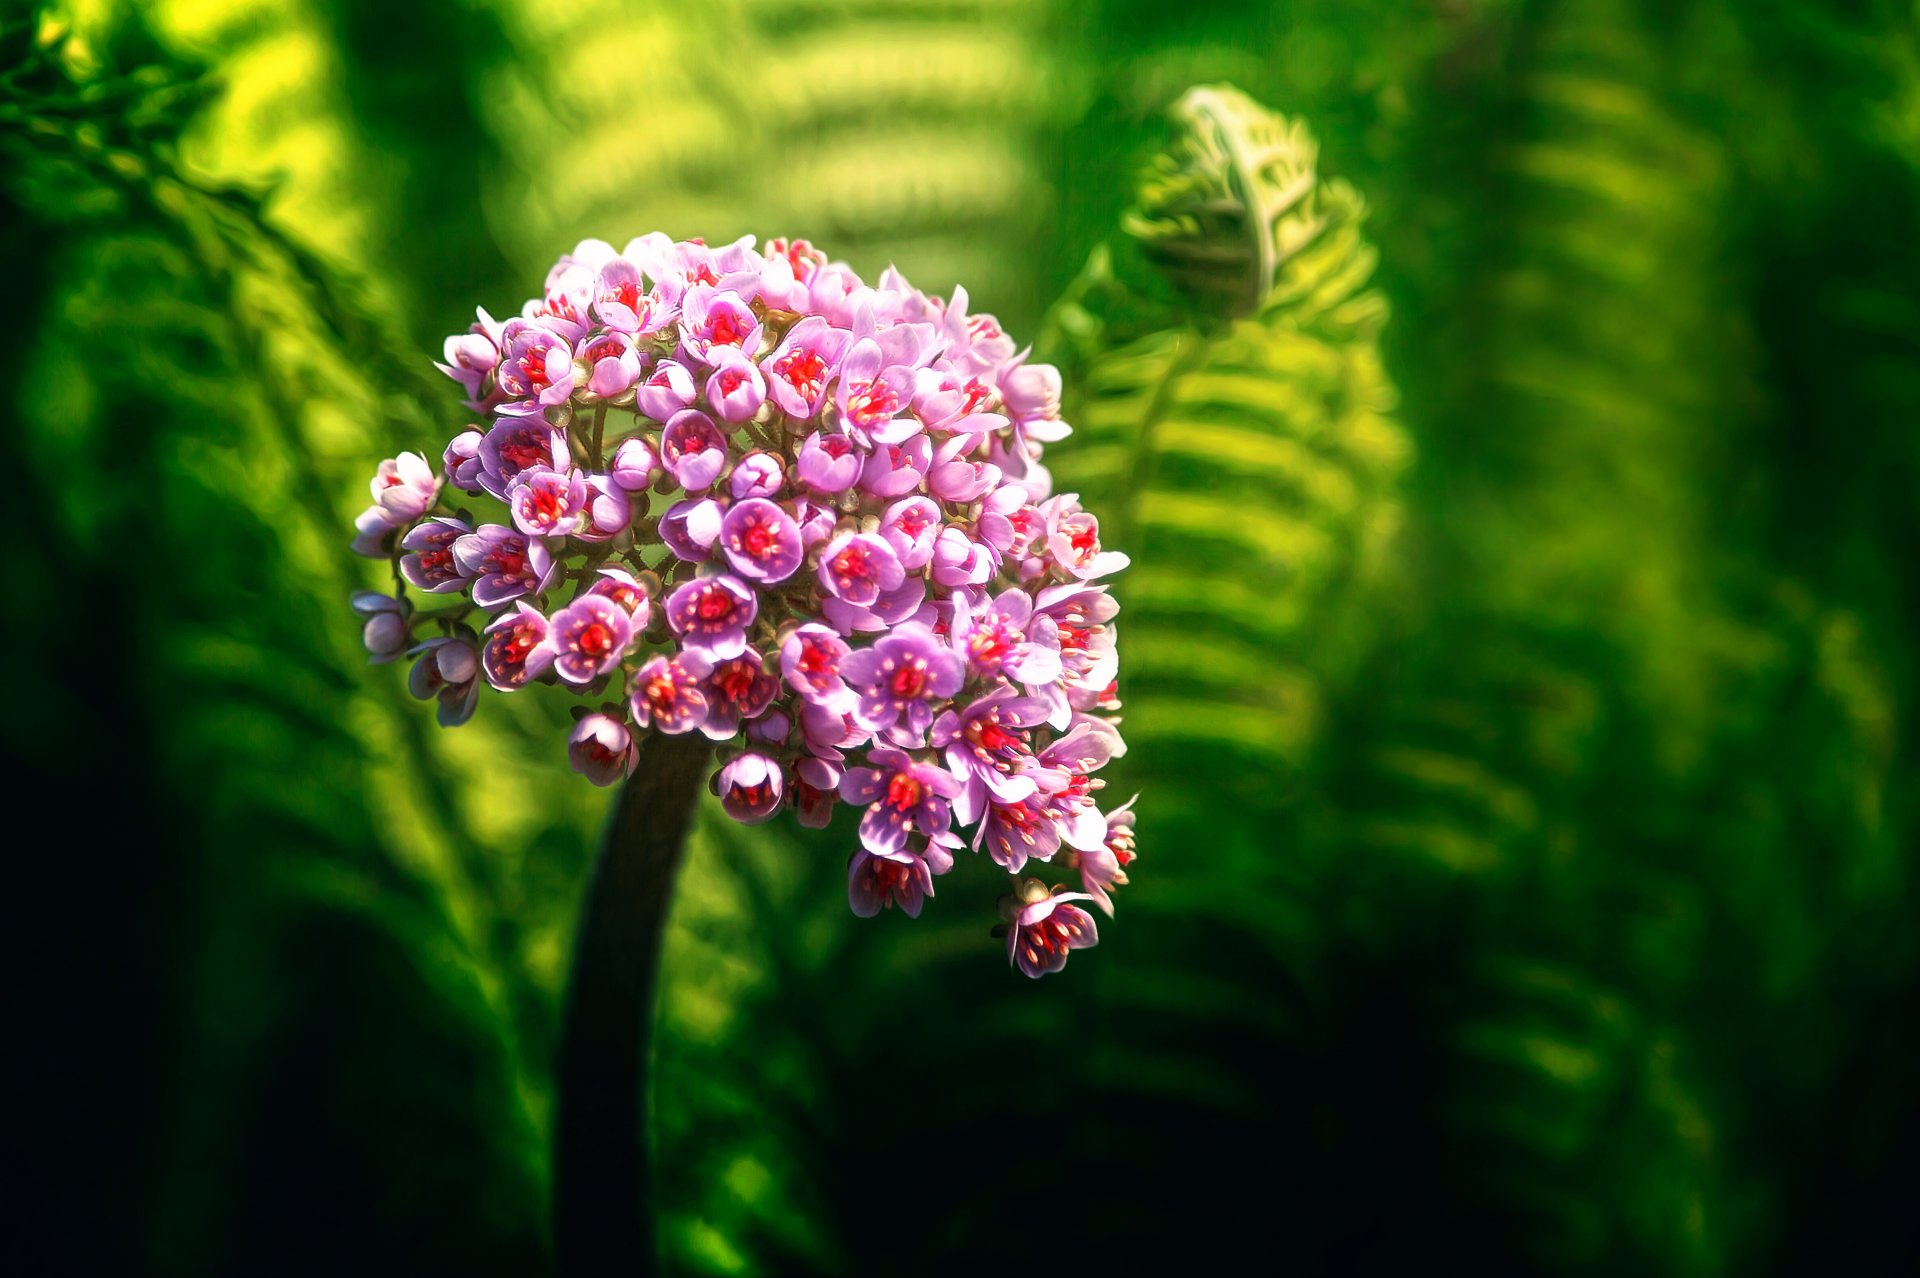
(745, 494)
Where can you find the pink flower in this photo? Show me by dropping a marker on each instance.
(903, 797)
(761, 540)
(693, 449)
(712, 320)
(516, 650)
(601, 749)
(537, 367)
(626, 590)
(430, 566)
(588, 637)
(711, 616)
(750, 788)
(738, 689)
(735, 389)
(666, 693)
(613, 364)
(548, 503)
(1045, 928)
(858, 566)
(404, 487)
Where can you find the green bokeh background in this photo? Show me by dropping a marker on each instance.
(1524, 728)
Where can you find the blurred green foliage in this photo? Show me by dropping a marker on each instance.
(1518, 686)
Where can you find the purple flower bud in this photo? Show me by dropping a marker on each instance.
(736, 389)
(693, 449)
(430, 566)
(588, 638)
(952, 477)
(689, 528)
(613, 364)
(666, 693)
(711, 616)
(817, 521)
(385, 633)
(959, 561)
(750, 788)
(910, 526)
(758, 474)
(667, 390)
(470, 356)
(373, 533)
(635, 464)
(447, 670)
(1031, 391)
(462, 460)
(625, 589)
(516, 649)
(857, 567)
(548, 503)
(815, 791)
(761, 540)
(404, 487)
(601, 749)
(893, 469)
(608, 511)
(1046, 928)
(829, 464)
(771, 728)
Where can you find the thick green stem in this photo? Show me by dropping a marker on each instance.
(603, 1214)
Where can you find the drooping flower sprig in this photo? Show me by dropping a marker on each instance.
(745, 494)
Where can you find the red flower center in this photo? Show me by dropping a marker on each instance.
(909, 681)
(726, 329)
(903, 792)
(714, 605)
(735, 681)
(595, 639)
(803, 370)
(851, 563)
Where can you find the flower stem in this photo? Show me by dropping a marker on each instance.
(603, 1214)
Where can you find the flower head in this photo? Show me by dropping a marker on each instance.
(801, 514)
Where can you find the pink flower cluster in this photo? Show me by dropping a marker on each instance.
(745, 494)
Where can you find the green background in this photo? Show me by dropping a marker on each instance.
(1521, 720)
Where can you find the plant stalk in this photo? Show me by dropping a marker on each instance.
(603, 1211)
